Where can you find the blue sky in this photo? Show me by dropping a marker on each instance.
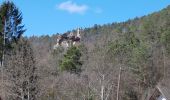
(43, 17)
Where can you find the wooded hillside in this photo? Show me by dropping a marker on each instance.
(139, 46)
(117, 61)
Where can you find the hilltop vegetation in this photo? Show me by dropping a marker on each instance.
(90, 71)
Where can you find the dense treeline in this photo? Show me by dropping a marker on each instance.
(121, 61)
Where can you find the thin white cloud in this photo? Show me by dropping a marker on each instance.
(72, 7)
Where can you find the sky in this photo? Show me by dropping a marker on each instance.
(42, 17)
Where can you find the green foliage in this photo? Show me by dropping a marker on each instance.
(1, 25)
(165, 39)
(11, 20)
(135, 54)
(71, 61)
(10, 26)
(139, 55)
(139, 63)
(122, 47)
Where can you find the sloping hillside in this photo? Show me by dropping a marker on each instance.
(139, 46)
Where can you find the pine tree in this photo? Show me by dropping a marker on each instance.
(71, 61)
(11, 20)
(10, 30)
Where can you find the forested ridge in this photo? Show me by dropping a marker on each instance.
(116, 61)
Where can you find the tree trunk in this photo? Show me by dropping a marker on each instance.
(118, 83)
(2, 63)
(164, 62)
(102, 88)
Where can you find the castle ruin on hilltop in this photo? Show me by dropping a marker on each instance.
(67, 40)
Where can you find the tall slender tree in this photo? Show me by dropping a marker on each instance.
(11, 20)
(10, 29)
